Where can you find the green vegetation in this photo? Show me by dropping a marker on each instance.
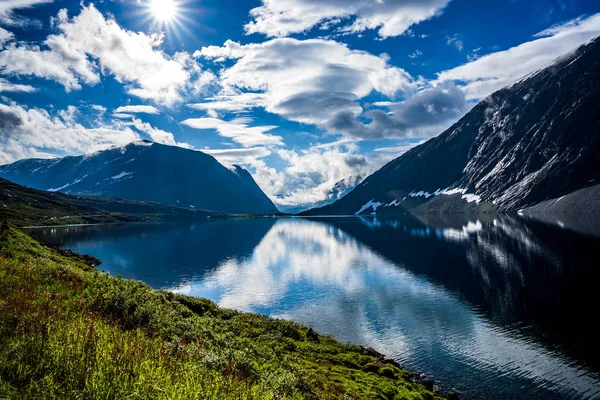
(69, 331)
(24, 206)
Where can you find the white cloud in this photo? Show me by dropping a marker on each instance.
(137, 109)
(238, 130)
(496, 70)
(383, 103)
(100, 109)
(238, 156)
(456, 42)
(390, 17)
(60, 64)
(399, 150)
(6, 86)
(415, 54)
(311, 81)
(237, 102)
(310, 175)
(425, 114)
(157, 135)
(7, 7)
(90, 44)
(5, 36)
(36, 133)
(347, 142)
(122, 116)
(130, 57)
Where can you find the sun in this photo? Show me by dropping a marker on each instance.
(168, 18)
(163, 10)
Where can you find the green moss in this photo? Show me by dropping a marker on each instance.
(69, 331)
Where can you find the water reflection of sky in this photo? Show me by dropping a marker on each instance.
(317, 274)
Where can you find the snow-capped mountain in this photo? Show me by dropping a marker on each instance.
(535, 141)
(147, 171)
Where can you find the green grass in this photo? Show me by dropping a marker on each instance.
(68, 331)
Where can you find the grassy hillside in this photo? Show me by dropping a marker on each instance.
(68, 331)
(24, 206)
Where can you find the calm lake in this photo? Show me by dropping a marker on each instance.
(491, 306)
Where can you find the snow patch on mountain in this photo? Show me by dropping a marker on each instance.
(371, 204)
(76, 181)
(121, 175)
(469, 197)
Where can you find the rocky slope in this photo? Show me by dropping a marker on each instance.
(536, 140)
(147, 171)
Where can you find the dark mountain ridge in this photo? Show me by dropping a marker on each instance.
(25, 206)
(146, 171)
(533, 141)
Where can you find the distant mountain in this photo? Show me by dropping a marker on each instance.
(147, 171)
(534, 141)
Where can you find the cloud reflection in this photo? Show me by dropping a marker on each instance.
(316, 274)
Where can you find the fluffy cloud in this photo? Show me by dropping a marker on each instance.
(137, 109)
(390, 17)
(312, 81)
(238, 130)
(310, 175)
(98, 108)
(157, 135)
(65, 67)
(6, 86)
(7, 8)
(90, 44)
(5, 36)
(36, 133)
(496, 70)
(427, 113)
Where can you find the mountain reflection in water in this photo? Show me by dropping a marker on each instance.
(491, 306)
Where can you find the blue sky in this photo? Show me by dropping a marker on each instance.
(303, 93)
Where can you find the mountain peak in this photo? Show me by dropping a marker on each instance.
(167, 174)
(524, 144)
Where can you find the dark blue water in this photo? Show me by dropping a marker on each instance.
(493, 307)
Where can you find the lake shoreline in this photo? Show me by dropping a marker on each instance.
(157, 318)
(409, 288)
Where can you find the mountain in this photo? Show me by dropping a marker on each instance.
(529, 143)
(24, 206)
(147, 171)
